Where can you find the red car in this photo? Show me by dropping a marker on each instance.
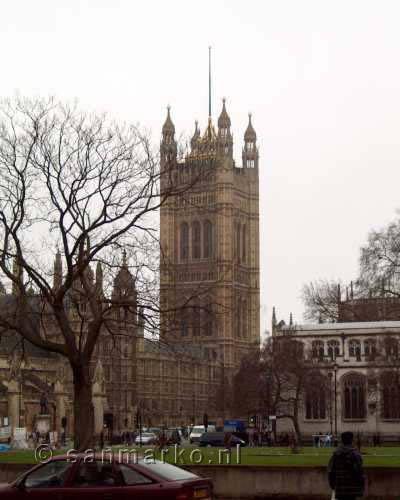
(105, 479)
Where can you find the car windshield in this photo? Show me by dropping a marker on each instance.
(198, 429)
(147, 434)
(167, 471)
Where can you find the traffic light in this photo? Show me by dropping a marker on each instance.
(252, 420)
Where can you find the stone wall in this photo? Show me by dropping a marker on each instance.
(258, 482)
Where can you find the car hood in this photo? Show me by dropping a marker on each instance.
(4, 487)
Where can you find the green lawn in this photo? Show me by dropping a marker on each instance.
(307, 457)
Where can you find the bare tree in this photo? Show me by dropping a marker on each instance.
(91, 187)
(321, 299)
(274, 381)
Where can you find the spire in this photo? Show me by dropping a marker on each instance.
(124, 259)
(351, 290)
(339, 294)
(250, 134)
(196, 136)
(291, 319)
(224, 122)
(250, 151)
(273, 316)
(99, 278)
(225, 142)
(57, 278)
(168, 127)
(168, 148)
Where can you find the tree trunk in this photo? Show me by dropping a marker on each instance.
(83, 409)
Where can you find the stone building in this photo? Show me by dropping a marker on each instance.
(361, 362)
(210, 242)
(210, 260)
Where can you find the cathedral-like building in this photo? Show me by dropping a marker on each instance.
(209, 295)
(210, 270)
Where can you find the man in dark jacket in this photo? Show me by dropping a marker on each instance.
(345, 471)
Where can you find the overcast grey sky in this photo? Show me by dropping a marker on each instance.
(322, 79)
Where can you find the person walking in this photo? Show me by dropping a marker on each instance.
(345, 470)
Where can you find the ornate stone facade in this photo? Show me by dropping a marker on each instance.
(361, 363)
(210, 242)
(209, 286)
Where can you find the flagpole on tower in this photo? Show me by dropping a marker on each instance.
(209, 81)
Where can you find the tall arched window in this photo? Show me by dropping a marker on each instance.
(184, 237)
(333, 349)
(244, 243)
(238, 249)
(354, 396)
(392, 347)
(196, 240)
(390, 395)
(244, 319)
(209, 319)
(355, 348)
(238, 315)
(196, 321)
(370, 347)
(184, 327)
(208, 240)
(315, 403)
(318, 349)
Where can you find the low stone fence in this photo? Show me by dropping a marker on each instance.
(267, 483)
(291, 483)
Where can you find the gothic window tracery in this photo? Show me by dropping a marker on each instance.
(354, 386)
(196, 231)
(196, 321)
(355, 348)
(333, 349)
(244, 318)
(390, 396)
(238, 252)
(370, 347)
(315, 403)
(244, 243)
(318, 349)
(208, 239)
(184, 239)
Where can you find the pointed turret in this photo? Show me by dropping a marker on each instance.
(225, 141)
(168, 148)
(168, 129)
(250, 150)
(273, 316)
(124, 292)
(99, 279)
(57, 278)
(291, 319)
(196, 136)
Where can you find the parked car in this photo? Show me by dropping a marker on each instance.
(80, 480)
(197, 431)
(146, 438)
(218, 439)
(174, 436)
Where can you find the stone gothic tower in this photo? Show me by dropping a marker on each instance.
(209, 226)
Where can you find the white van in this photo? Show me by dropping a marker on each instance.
(197, 431)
